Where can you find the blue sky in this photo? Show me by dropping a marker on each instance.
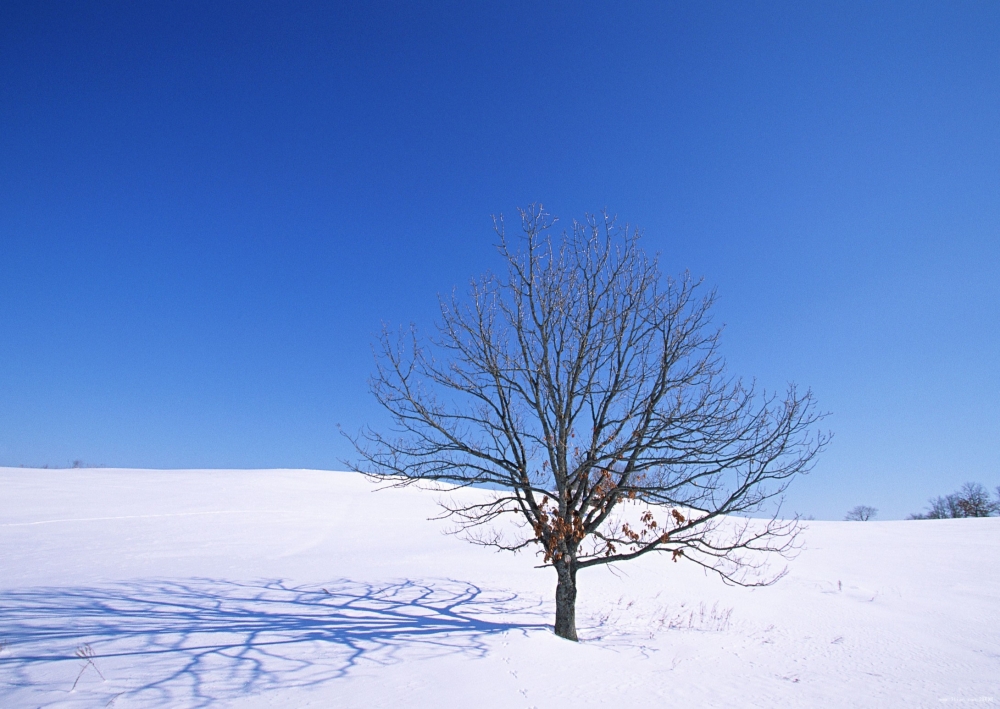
(207, 210)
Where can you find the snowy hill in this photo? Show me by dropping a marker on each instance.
(280, 588)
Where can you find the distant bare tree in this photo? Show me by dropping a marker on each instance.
(861, 513)
(589, 395)
(972, 500)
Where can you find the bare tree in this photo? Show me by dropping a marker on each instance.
(590, 396)
(972, 500)
(861, 513)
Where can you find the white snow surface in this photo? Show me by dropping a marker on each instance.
(297, 588)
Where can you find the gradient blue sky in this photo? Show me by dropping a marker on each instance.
(207, 210)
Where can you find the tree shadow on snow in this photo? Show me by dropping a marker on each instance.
(167, 642)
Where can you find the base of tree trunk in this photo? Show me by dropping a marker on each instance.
(566, 604)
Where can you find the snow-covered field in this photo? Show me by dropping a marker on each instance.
(281, 588)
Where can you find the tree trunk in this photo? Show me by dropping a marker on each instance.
(566, 600)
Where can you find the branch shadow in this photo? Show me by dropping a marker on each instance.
(168, 642)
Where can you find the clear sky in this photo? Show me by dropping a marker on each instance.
(207, 210)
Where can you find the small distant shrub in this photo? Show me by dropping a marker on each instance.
(861, 513)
